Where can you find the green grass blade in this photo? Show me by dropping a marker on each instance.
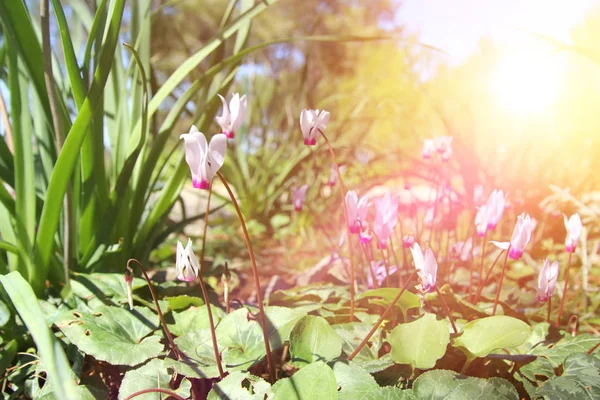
(65, 163)
(51, 353)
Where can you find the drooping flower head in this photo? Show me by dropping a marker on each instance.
(574, 227)
(366, 233)
(520, 237)
(357, 210)
(547, 280)
(233, 114)
(380, 273)
(481, 221)
(385, 219)
(462, 250)
(333, 176)
(312, 122)
(299, 196)
(204, 160)
(186, 263)
(426, 268)
(428, 148)
(495, 208)
(443, 145)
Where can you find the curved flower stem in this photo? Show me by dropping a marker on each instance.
(350, 253)
(549, 310)
(438, 175)
(564, 294)
(259, 299)
(156, 390)
(400, 282)
(446, 309)
(500, 283)
(211, 322)
(379, 322)
(369, 264)
(160, 314)
(487, 276)
(484, 240)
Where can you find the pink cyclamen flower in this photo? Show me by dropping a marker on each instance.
(426, 268)
(233, 114)
(520, 237)
(462, 250)
(574, 227)
(380, 273)
(481, 221)
(428, 148)
(408, 241)
(312, 122)
(495, 208)
(204, 160)
(299, 196)
(547, 280)
(385, 219)
(186, 263)
(357, 210)
(366, 233)
(333, 175)
(429, 218)
(443, 145)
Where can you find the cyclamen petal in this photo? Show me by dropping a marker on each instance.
(521, 236)
(186, 263)
(204, 161)
(233, 114)
(299, 196)
(357, 210)
(426, 268)
(312, 122)
(574, 227)
(547, 280)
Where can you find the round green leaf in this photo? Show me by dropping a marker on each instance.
(153, 375)
(353, 381)
(449, 385)
(240, 385)
(420, 343)
(112, 334)
(313, 339)
(388, 393)
(316, 381)
(199, 360)
(407, 301)
(580, 380)
(482, 336)
(194, 319)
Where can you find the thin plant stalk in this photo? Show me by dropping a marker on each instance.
(259, 299)
(205, 292)
(350, 253)
(500, 283)
(160, 314)
(400, 282)
(480, 266)
(487, 277)
(564, 294)
(549, 310)
(369, 265)
(435, 203)
(155, 390)
(383, 316)
(446, 309)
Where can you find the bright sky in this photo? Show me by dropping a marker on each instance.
(456, 26)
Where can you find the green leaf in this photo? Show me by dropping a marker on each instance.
(580, 380)
(4, 314)
(313, 339)
(83, 392)
(183, 301)
(240, 385)
(449, 385)
(353, 381)
(420, 343)
(152, 375)
(241, 337)
(199, 361)
(314, 382)
(51, 353)
(407, 301)
(368, 358)
(388, 393)
(557, 352)
(88, 286)
(113, 334)
(482, 336)
(194, 319)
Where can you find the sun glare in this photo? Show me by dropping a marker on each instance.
(526, 83)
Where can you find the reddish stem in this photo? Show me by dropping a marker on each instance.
(501, 280)
(487, 276)
(160, 314)
(259, 299)
(400, 283)
(348, 234)
(564, 294)
(380, 321)
(549, 310)
(480, 266)
(446, 309)
(156, 390)
(205, 292)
